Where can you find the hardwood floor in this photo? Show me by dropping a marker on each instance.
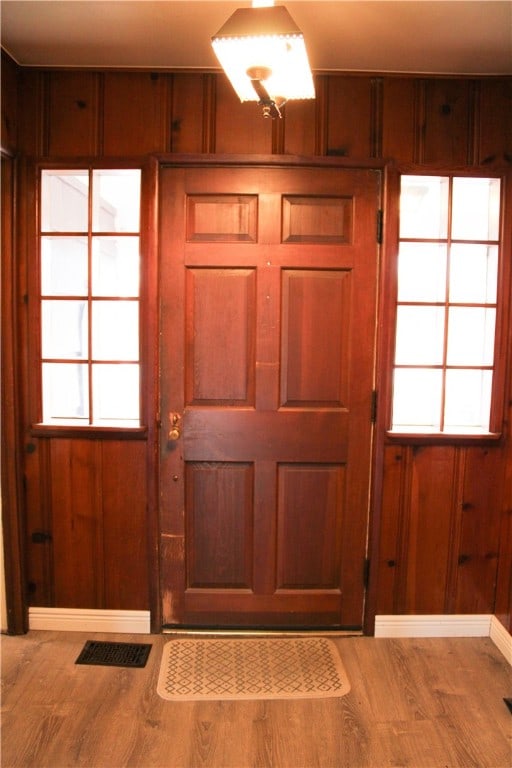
(422, 703)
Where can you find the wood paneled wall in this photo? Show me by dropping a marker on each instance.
(90, 496)
(440, 529)
(409, 120)
(445, 512)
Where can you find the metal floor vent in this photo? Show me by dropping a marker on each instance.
(114, 654)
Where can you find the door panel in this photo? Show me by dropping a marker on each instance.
(220, 336)
(268, 281)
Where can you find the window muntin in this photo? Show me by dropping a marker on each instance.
(446, 304)
(90, 297)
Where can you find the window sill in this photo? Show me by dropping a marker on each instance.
(438, 438)
(89, 432)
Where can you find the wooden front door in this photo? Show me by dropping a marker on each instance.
(268, 285)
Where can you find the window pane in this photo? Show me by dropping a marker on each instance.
(115, 266)
(422, 272)
(424, 207)
(471, 336)
(468, 400)
(116, 200)
(64, 266)
(476, 209)
(115, 330)
(417, 399)
(473, 273)
(419, 335)
(64, 329)
(65, 392)
(64, 201)
(115, 393)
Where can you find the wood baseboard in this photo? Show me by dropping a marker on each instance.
(452, 625)
(87, 620)
(433, 625)
(439, 625)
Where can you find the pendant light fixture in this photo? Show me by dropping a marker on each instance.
(262, 52)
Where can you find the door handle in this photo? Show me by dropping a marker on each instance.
(174, 429)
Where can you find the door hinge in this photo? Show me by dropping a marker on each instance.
(380, 218)
(373, 407)
(366, 572)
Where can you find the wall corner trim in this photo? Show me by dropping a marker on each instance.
(88, 620)
(449, 625)
(501, 638)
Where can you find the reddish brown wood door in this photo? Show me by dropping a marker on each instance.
(268, 286)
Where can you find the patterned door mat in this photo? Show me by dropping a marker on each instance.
(199, 669)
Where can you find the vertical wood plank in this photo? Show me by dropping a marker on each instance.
(321, 114)
(477, 554)
(391, 513)
(38, 519)
(10, 78)
(447, 122)
(77, 533)
(31, 112)
(72, 113)
(240, 127)
(349, 117)
(299, 127)
(135, 113)
(376, 117)
(124, 520)
(12, 498)
(187, 112)
(430, 524)
(398, 119)
(495, 121)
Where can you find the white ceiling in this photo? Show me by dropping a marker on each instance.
(410, 36)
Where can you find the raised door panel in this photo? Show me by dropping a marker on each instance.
(220, 336)
(315, 337)
(309, 526)
(220, 525)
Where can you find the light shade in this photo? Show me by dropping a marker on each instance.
(264, 44)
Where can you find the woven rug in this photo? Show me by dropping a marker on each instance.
(201, 669)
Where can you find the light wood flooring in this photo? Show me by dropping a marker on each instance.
(432, 703)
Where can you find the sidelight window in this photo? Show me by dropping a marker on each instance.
(90, 297)
(445, 340)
